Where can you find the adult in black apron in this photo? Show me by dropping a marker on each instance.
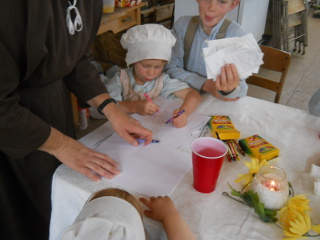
(41, 61)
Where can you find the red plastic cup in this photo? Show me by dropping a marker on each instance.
(207, 159)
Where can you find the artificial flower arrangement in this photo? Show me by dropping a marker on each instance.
(293, 218)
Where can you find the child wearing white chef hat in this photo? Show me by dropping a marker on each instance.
(149, 50)
(114, 214)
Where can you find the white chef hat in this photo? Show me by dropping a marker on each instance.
(109, 218)
(148, 41)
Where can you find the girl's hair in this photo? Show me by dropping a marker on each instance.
(115, 192)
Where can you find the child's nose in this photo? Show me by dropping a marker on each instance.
(150, 71)
(212, 5)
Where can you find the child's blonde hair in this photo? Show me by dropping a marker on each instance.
(115, 192)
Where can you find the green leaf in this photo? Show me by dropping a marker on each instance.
(270, 212)
(251, 198)
(235, 192)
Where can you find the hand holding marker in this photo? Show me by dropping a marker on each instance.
(148, 98)
(179, 113)
(137, 137)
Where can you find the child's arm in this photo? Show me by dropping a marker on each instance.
(191, 101)
(162, 209)
(142, 107)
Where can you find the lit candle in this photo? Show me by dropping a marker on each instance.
(272, 187)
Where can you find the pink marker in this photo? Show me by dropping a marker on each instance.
(148, 98)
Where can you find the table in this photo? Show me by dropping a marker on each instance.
(214, 216)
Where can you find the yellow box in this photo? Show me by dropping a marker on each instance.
(256, 146)
(221, 127)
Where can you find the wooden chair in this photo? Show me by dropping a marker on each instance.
(274, 60)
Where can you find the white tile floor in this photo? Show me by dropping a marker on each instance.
(303, 78)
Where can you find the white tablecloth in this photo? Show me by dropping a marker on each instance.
(214, 216)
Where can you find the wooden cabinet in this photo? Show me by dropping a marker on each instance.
(159, 14)
(121, 19)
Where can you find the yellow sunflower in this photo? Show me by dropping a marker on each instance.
(316, 228)
(244, 178)
(255, 165)
(295, 206)
(299, 203)
(298, 227)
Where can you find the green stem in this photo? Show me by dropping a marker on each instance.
(244, 187)
(227, 195)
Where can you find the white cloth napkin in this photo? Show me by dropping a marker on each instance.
(244, 52)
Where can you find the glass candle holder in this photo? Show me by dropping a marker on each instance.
(272, 187)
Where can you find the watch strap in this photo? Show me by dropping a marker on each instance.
(105, 103)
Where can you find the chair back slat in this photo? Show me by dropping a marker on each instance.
(274, 60)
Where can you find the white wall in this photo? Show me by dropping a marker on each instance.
(185, 8)
(253, 16)
(250, 14)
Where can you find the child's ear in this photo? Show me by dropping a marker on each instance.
(234, 4)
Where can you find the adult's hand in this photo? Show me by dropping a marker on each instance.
(125, 125)
(121, 123)
(79, 157)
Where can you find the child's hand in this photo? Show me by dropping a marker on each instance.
(180, 121)
(227, 81)
(229, 78)
(160, 208)
(147, 108)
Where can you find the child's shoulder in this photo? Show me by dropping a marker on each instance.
(183, 22)
(235, 30)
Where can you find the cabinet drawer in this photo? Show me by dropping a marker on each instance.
(121, 19)
(127, 21)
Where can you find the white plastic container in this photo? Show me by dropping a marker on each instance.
(108, 6)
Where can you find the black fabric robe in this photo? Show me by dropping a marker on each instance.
(40, 62)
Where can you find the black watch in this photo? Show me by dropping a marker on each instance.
(105, 103)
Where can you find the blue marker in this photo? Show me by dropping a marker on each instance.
(143, 140)
(179, 113)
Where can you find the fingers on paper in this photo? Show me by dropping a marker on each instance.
(102, 165)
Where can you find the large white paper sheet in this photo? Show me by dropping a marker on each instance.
(146, 169)
(156, 169)
(167, 134)
(98, 136)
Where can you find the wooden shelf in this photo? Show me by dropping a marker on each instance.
(121, 19)
(161, 15)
